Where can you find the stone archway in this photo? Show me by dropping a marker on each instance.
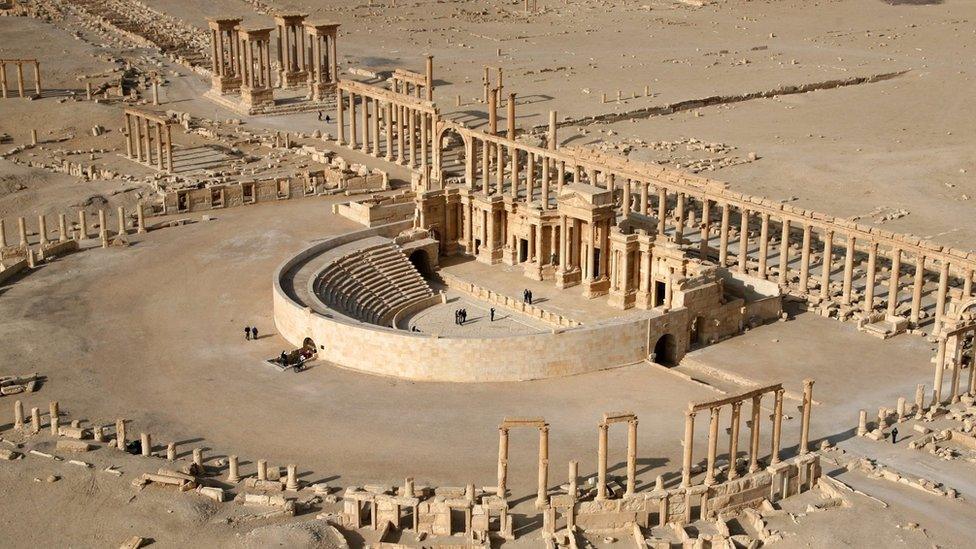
(666, 351)
(421, 261)
(451, 146)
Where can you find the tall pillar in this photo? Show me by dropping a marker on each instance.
(128, 135)
(37, 78)
(22, 228)
(743, 241)
(805, 422)
(542, 499)
(352, 120)
(412, 137)
(763, 245)
(679, 214)
(918, 283)
(688, 445)
(848, 269)
(388, 124)
(784, 253)
(869, 285)
(502, 448)
(340, 118)
(754, 434)
(723, 242)
(20, 79)
(777, 426)
(827, 264)
(893, 281)
(631, 456)
(643, 197)
(940, 301)
(42, 229)
(626, 198)
(376, 132)
(734, 440)
(3, 235)
(662, 210)
(83, 224)
(365, 122)
(706, 220)
(939, 372)
(712, 445)
(805, 259)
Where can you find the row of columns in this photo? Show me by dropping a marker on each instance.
(503, 431)
(19, 64)
(149, 139)
(64, 232)
(408, 132)
(950, 356)
(735, 404)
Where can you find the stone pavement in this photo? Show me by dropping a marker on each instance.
(439, 319)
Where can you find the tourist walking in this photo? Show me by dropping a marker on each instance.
(254, 332)
(525, 295)
(894, 435)
(247, 333)
(464, 316)
(530, 296)
(491, 314)
(320, 116)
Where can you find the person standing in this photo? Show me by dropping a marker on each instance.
(247, 333)
(254, 332)
(530, 296)
(894, 435)
(491, 314)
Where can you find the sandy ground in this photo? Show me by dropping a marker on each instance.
(153, 332)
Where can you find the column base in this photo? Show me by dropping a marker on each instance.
(568, 279)
(256, 97)
(642, 300)
(488, 256)
(321, 90)
(532, 270)
(509, 256)
(294, 79)
(595, 288)
(225, 84)
(622, 300)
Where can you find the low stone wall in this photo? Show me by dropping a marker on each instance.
(390, 352)
(374, 215)
(9, 271)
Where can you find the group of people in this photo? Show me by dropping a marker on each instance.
(527, 296)
(460, 315)
(250, 333)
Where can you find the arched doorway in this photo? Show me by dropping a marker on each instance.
(309, 344)
(666, 351)
(421, 261)
(451, 153)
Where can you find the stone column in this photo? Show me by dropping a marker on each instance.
(763, 245)
(893, 281)
(3, 80)
(22, 228)
(3, 235)
(784, 253)
(352, 120)
(626, 198)
(262, 469)
(37, 78)
(777, 426)
(502, 457)
(743, 241)
(62, 228)
(723, 243)
(918, 283)
(848, 268)
(35, 420)
(365, 122)
(340, 118)
(388, 124)
(376, 132)
(662, 210)
(146, 443)
(643, 197)
(805, 422)
(42, 229)
(862, 423)
(102, 229)
(939, 372)
(169, 149)
(292, 478)
(940, 300)
(19, 415)
(805, 259)
(171, 451)
(601, 482)
(54, 416)
(827, 264)
(868, 305)
(734, 440)
(20, 79)
(82, 224)
(542, 499)
(631, 457)
(754, 434)
(706, 222)
(680, 217)
(233, 472)
(198, 458)
(412, 137)
(712, 445)
(688, 446)
(120, 434)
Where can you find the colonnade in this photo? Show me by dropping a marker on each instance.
(66, 230)
(609, 419)
(734, 404)
(381, 122)
(19, 64)
(148, 139)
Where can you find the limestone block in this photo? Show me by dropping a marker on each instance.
(76, 433)
(72, 446)
(216, 494)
